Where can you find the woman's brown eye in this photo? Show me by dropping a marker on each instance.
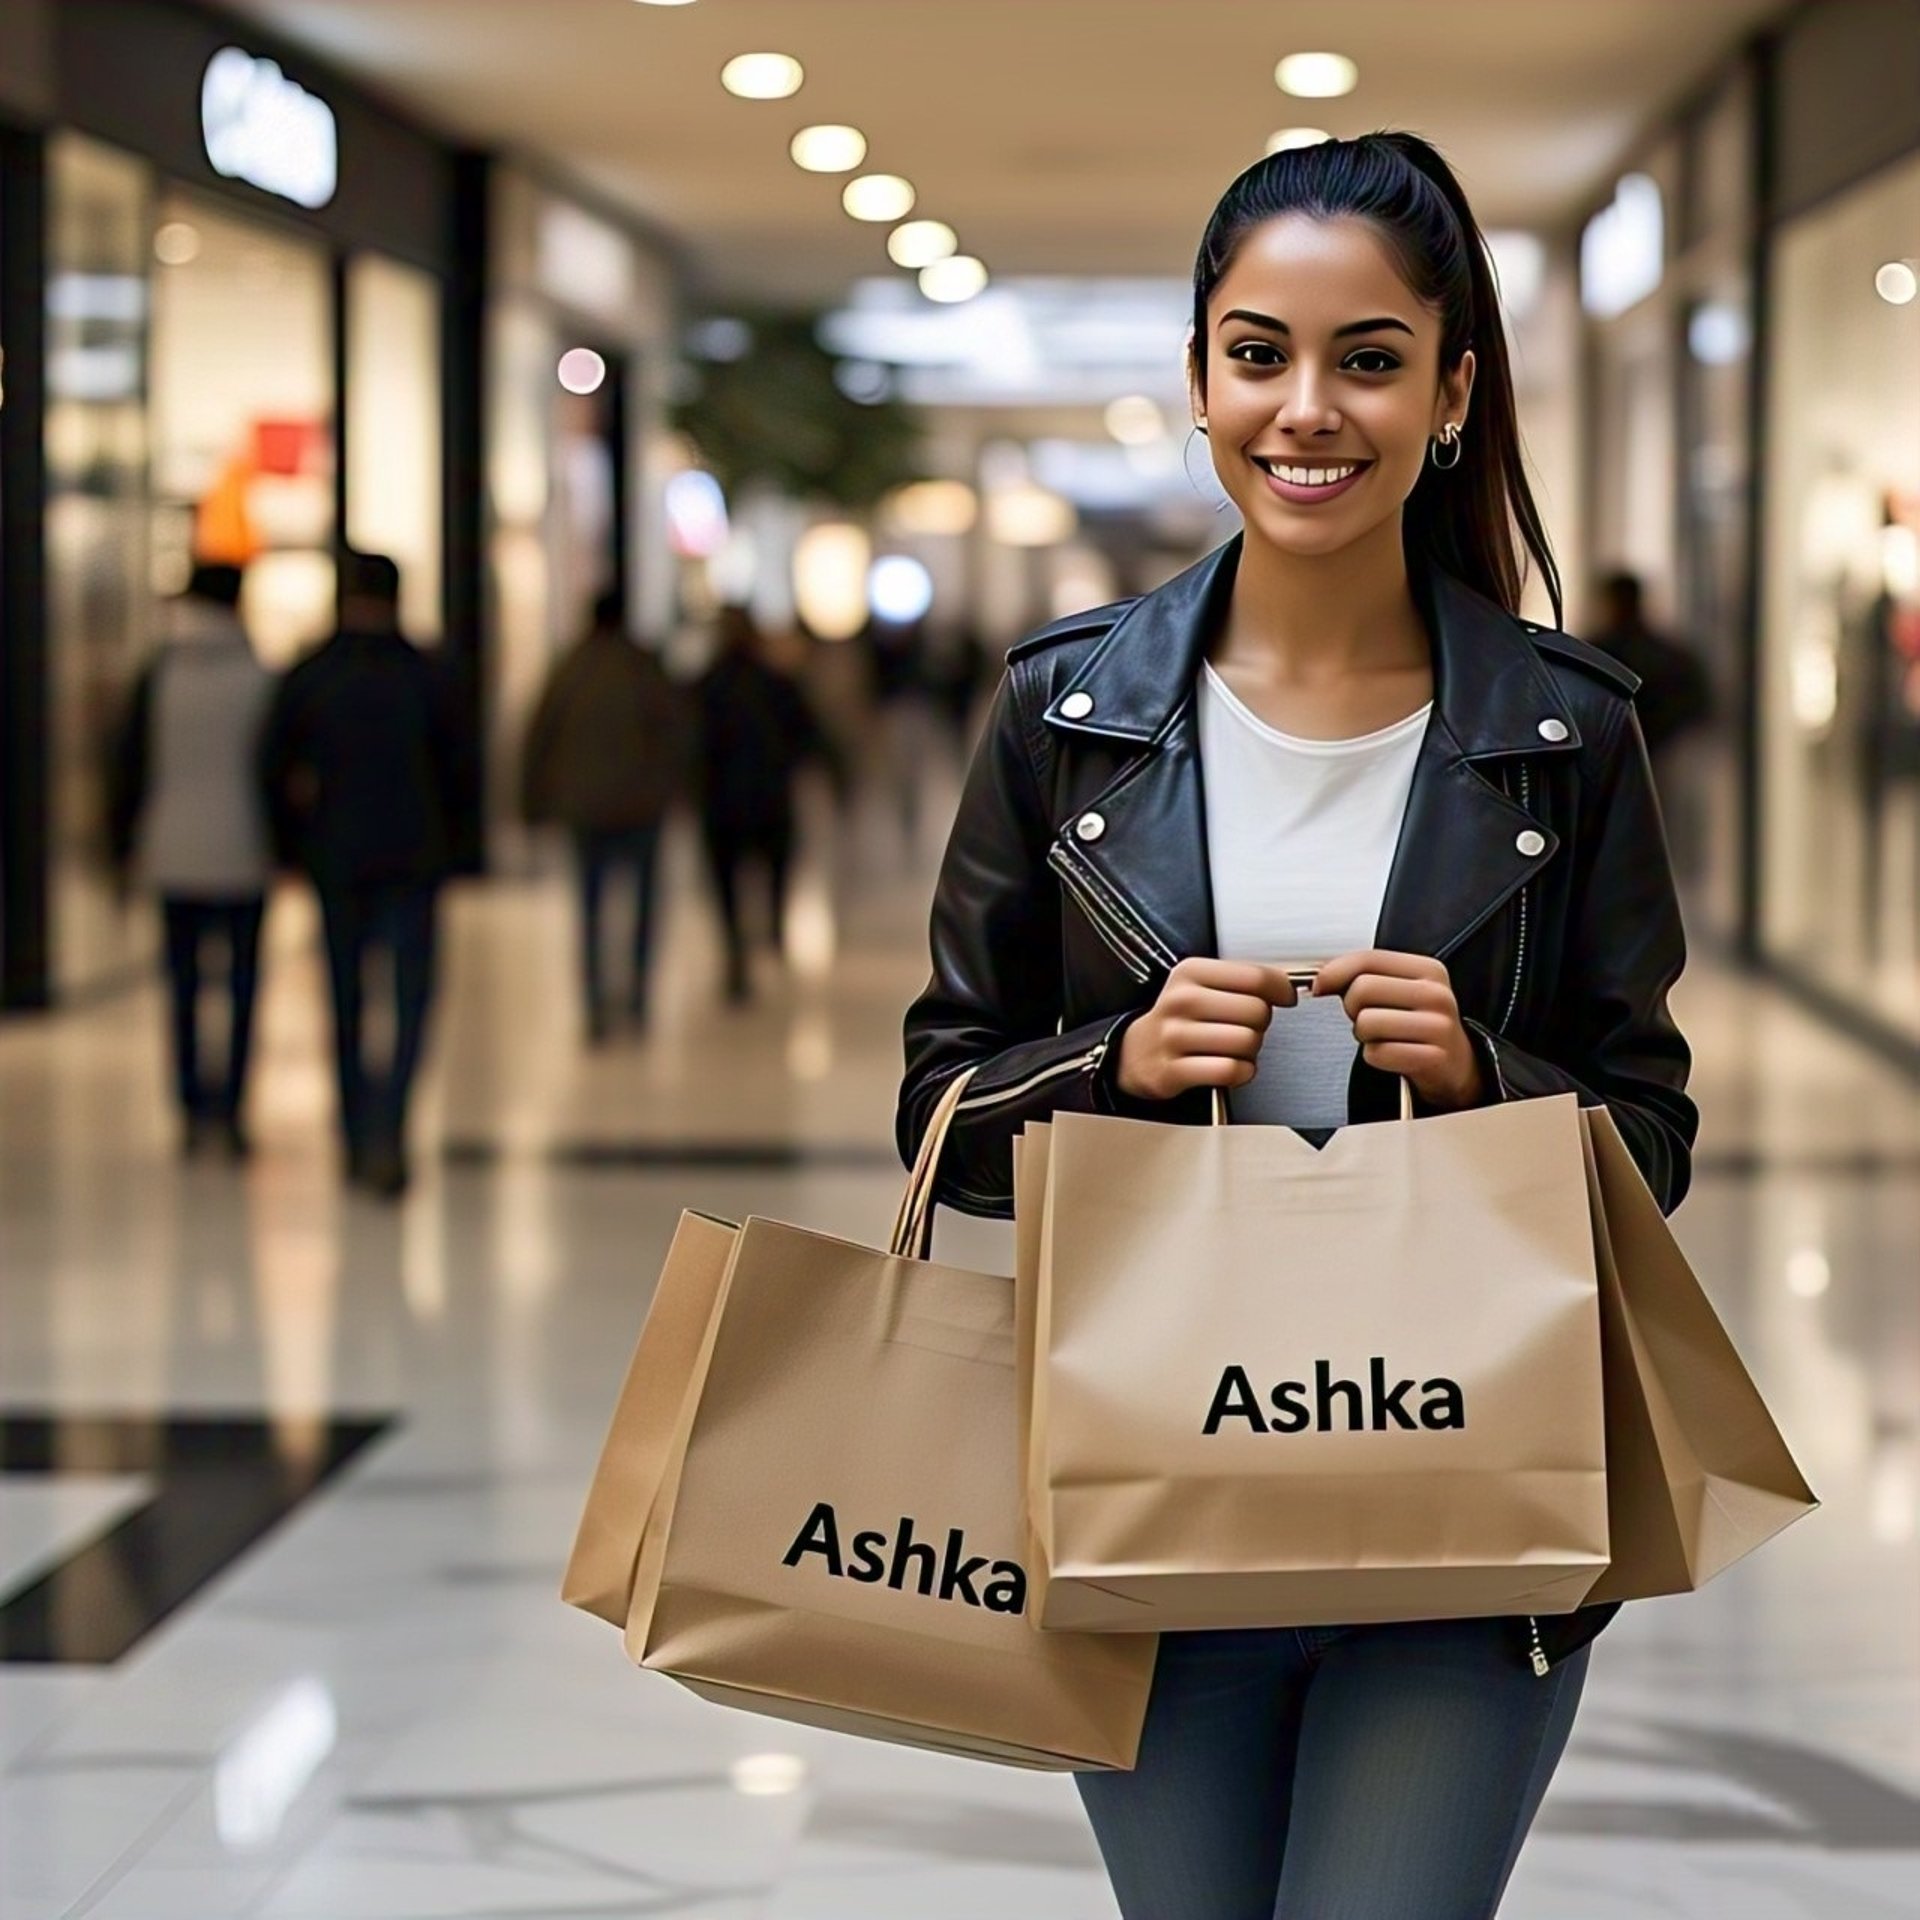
(1382, 361)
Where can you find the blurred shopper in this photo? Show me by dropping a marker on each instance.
(1675, 701)
(756, 732)
(1395, 767)
(363, 764)
(606, 756)
(185, 819)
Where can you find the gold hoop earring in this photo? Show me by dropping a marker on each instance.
(1448, 436)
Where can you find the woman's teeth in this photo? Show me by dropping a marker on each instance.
(1305, 476)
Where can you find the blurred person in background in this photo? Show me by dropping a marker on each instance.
(606, 756)
(1675, 699)
(185, 818)
(756, 731)
(363, 764)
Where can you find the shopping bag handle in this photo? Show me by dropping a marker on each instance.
(913, 1223)
(1220, 1103)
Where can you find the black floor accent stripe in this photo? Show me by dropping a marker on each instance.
(221, 1483)
(748, 1156)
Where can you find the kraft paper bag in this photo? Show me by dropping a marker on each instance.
(633, 1462)
(837, 1535)
(1275, 1385)
(1697, 1472)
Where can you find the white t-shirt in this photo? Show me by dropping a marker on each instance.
(1300, 839)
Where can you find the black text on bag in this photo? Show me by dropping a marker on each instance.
(942, 1577)
(1378, 1406)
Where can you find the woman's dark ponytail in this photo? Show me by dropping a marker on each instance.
(1476, 519)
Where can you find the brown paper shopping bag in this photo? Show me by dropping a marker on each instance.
(1274, 1385)
(599, 1576)
(836, 1536)
(1697, 1473)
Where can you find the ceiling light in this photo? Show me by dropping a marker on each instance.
(934, 507)
(581, 370)
(958, 277)
(762, 76)
(1030, 516)
(1316, 76)
(828, 149)
(830, 563)
(666, 3)
(919, 243)
(1290, 137)
(899, 588)
(1135, 420)
(877, 196)
(1896, 283)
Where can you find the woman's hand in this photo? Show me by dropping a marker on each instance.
(1407, 1022)
(1204, 1030)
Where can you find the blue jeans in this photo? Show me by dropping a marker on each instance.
(1333, 1773)
(360, 922)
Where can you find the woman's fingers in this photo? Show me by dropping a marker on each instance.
(1233, 1041)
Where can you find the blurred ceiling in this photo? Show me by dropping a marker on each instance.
(1057, 136)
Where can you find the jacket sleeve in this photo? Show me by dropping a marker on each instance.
(1619, 1046)
(994, 1001)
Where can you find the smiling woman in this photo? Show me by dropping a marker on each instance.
(1320, 825)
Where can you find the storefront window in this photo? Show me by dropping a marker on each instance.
(99, 249)
(243, 416)
(1840, 688)
(393, 443)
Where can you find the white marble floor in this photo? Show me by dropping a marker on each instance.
(382, 1710)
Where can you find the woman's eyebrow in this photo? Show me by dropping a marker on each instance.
(1378, 325)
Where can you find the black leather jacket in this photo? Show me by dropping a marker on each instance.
(1532, 861)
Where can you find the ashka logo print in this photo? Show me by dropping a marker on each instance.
(1375, 1408)
(948, 1575)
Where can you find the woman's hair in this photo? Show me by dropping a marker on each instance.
(1464, 519)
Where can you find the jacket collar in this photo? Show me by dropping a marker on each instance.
(1492, 693)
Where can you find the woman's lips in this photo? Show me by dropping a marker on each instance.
(1313, 496)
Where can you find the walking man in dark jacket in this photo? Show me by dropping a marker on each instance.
(606, 756)
(363, 765)
(756, 731)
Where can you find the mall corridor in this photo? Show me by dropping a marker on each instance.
(557, 562)
(381, 1710)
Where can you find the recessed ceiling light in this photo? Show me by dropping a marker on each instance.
(919, 243)
(762, 76)
(877, 196)
(959, 277)
(581, 370)
(1290, 137)
(666, 3)
(828, 149)
(1896, 283)
(1316, 76)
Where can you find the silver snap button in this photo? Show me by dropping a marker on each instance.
(1076, 706)
(1555, 730)
(1090, 826)
(1531, 843)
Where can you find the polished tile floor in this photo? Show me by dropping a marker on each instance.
(379, 1709)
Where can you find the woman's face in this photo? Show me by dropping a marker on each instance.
(1324, 386)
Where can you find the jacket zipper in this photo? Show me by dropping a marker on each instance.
(1120, 939)
(1541, 1664)
(1088, 1062)
(1520, 950)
